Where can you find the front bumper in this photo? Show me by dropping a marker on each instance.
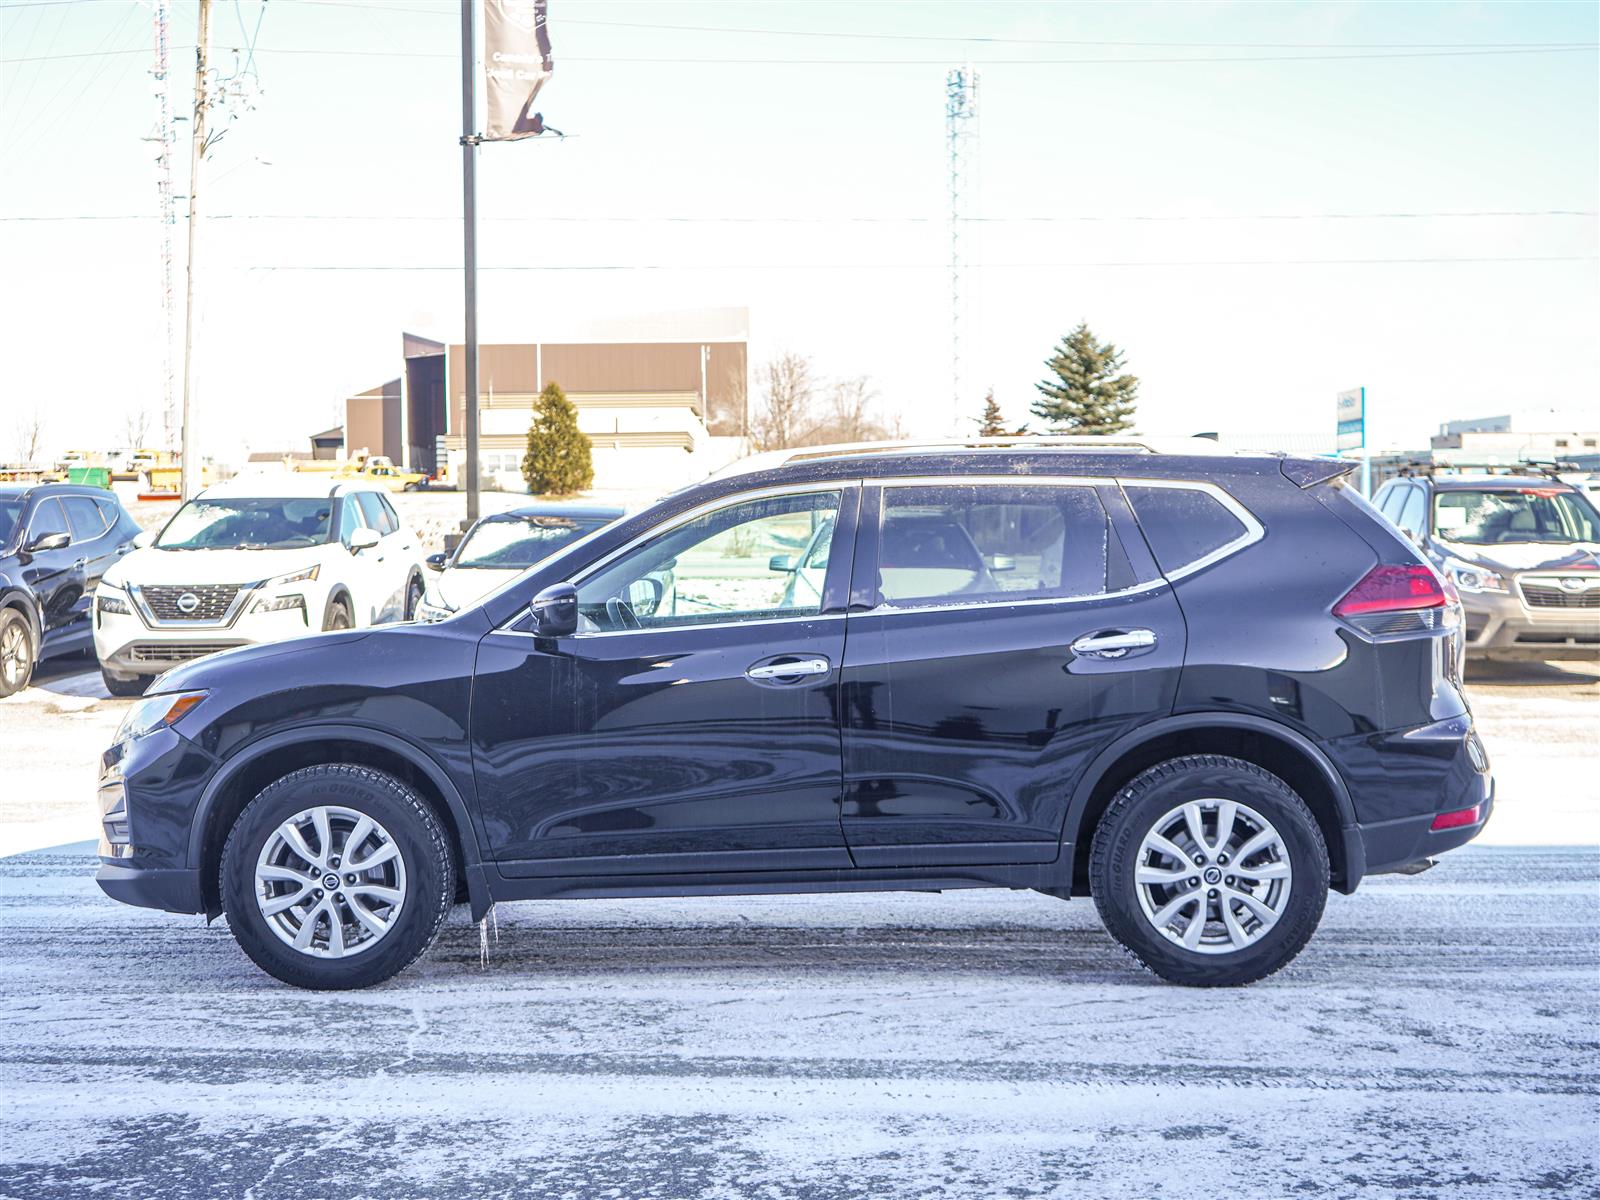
(126, 646)
(1504, 625)
(175, 889)
(147, 793)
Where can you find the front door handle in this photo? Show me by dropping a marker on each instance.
(1114, 643)
(790, 670)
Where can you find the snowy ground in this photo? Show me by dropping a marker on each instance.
(1438, 1038)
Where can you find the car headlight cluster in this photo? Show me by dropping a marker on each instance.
(111, 602)
(291, 600)
(1470, 578)
(155, 712)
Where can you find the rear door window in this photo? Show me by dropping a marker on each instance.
(88, 523)
(1184, 525)
(977, 543)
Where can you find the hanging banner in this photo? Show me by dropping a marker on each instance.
(516, 63)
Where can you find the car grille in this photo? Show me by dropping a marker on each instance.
(211, 601)
(169, 653)
(1551, 595)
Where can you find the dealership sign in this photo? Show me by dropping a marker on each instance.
(516, 63)
(1351, 416)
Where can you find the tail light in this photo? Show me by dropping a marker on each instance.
(1396, 599)
(1455, 820)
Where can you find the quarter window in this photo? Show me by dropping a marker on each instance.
(738, 563)
(971, 543)
(1182, 524)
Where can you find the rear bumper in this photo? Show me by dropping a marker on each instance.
(1392, 846)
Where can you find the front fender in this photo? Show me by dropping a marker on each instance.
(425, 763)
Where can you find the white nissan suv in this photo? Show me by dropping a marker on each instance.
(254, 560)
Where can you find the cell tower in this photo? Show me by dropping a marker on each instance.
(165, 137)
(961, 140)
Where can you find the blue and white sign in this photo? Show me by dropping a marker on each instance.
(1352, 419)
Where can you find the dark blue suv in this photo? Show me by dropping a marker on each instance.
(1203, 689)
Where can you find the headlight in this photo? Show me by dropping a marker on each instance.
(279, 603)
(110, 603)
(1472, 579)
(153, 712)
(429, 611)
(293, 577)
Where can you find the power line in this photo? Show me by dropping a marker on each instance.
(675, 61)
(939, 266)
(1522, 214)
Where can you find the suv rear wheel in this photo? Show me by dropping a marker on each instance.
(336, 876)
(1210, 871)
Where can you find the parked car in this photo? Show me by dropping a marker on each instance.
(255, 560)
(500, 547)
(56, 543)
(1202, 689)
(1523, 550)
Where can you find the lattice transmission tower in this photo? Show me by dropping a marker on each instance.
(961, 142)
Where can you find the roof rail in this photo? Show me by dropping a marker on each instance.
(1550, 467)
(1105, 443)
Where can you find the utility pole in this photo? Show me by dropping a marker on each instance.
(961, 134)
(197, 154)
(164, 140)
(469, 233)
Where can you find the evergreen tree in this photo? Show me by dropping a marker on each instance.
(993, 421)
(1087, 393)
(558, 461)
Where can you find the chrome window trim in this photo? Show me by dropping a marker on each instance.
(1254, 531)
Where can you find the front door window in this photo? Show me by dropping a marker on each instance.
(754, 560)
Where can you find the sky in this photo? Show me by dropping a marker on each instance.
(1262, 204)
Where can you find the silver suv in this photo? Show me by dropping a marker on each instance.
(1523, 551)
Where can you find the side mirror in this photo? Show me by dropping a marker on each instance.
(781, 562)
(49, 541)
(436, 562)
(364, 539)
(145, 538)
(555, 611)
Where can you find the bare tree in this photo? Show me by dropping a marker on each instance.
(30, 437)
(785, 416)
(136, 428)
(851, 418)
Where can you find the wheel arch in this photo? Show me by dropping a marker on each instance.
(25, 603)
(336, 593)
(243, 776)
(1285, 752)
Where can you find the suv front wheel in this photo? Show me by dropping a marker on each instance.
(1209, 870)
(337, 876)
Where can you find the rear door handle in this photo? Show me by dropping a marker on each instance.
(1114, 643)
(790, 670)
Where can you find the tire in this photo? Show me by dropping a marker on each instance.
(338, 615)
(414, 593)
(421, 871)
(1229, 949)
(125, 687)
(17, 653)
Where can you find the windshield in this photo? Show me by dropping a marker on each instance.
(267, 524)
(1504, 515)
(10, 514)
(521, 541)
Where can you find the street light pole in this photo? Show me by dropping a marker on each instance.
(469, 232)
(197, 154)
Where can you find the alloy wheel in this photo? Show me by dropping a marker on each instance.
(330, 882)
(16, 655)
(1213, 876)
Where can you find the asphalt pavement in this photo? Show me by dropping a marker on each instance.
(1438, 1038)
